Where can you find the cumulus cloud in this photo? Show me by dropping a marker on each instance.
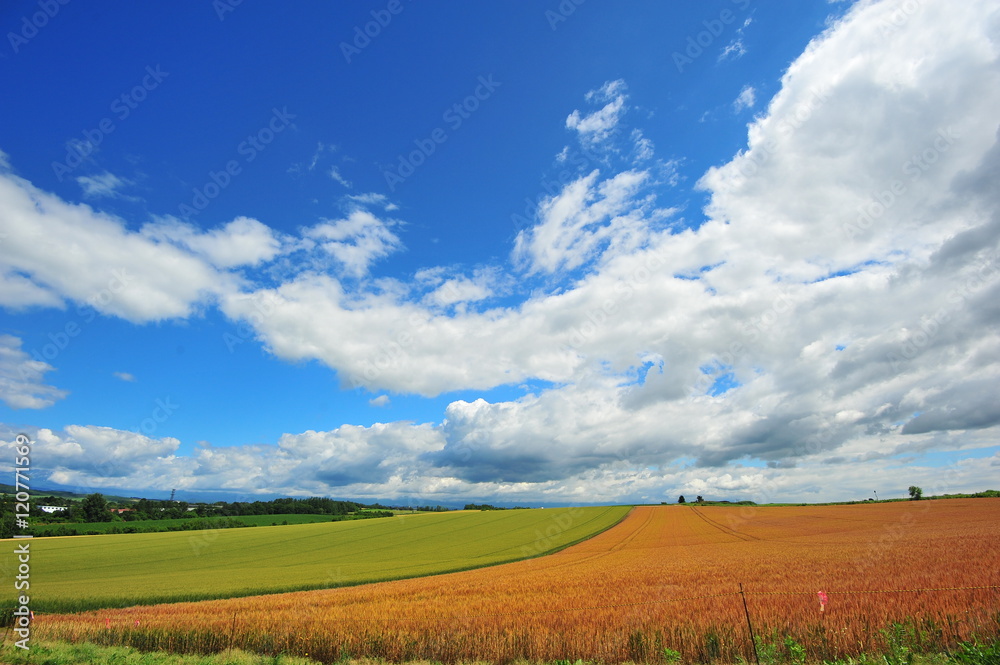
(356, 241)
(22, 383)
(460, 290)
(812, 315)
(55, 252)
(835, 311)
(241, 242)
(94, 457)
(585, 216)
(358, 460)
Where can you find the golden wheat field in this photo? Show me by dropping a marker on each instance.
(667, 577)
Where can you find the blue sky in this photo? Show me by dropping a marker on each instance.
(534, 253)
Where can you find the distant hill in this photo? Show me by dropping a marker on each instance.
(62, 494)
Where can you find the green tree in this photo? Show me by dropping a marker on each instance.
(915, 493)
(680, 499)
(95, 508)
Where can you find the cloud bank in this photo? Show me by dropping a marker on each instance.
(834, 314)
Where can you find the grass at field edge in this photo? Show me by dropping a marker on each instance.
(63, 653)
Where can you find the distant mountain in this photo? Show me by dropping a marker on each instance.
(63, 494)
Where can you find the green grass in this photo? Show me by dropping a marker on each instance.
(88, 572)
(61, 653)
(161, 525)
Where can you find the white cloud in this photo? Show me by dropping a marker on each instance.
(459, 289)
(102, 185)
(599, 125)
(585, 216)
(380, 401)
(358, 461)
(124, 376)
(22, 383)
(746, 99)
(241, 242)
(644, 149)
(321, 149)
(356, 241)
(56, 251)
(736, 49)
(796, 260)
(95, 457)
(373, 198)
(476, 454)
(335, 174)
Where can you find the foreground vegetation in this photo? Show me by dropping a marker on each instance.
(61, 653)
(669, 584)
(123, 570)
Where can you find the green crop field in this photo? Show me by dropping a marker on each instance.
(116, 570)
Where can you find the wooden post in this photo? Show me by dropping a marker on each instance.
(746, 611)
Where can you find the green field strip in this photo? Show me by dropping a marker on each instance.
(74, 573)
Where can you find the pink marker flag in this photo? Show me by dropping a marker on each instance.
(822, 600)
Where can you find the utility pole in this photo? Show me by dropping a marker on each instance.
(876, 495)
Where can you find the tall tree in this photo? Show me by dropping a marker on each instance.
(95, 508)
